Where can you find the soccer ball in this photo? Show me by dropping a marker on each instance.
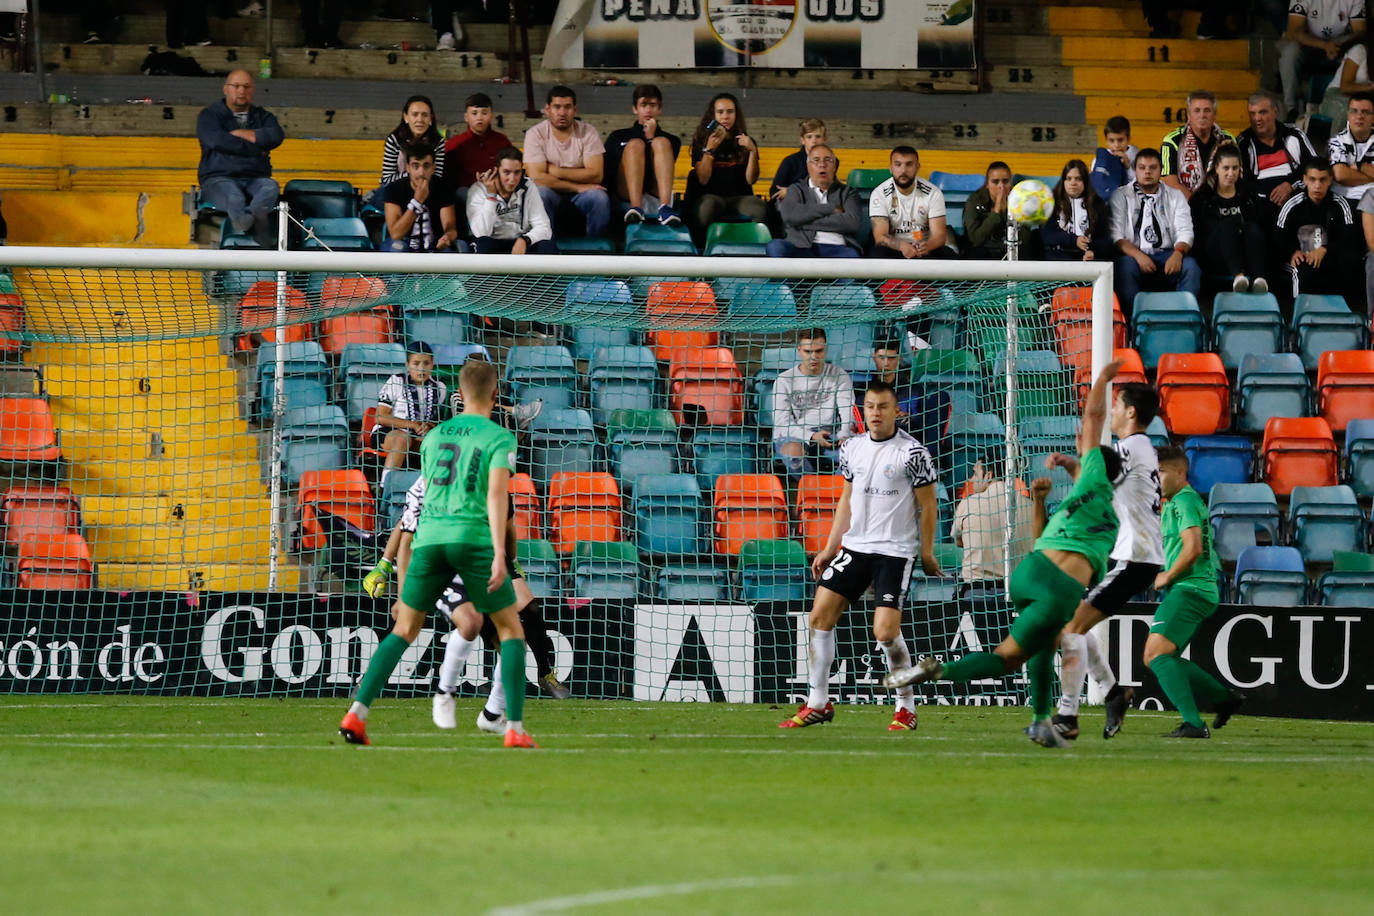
(1030, 202)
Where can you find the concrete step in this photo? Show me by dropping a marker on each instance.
(1110, 21)
(175, 577)
(1153, 54)
(1159, 115)
(1126, 81)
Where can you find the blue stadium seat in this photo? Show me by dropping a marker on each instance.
(721, 450)
(1218, 459)
(761, 299)
(587, 340)
(1239, 513)
(229, 237)
(312, 198)
(561, 439)
(336, 234)
(1324, 520)
(1246, 323)
(850, 347)
(971, 435)
(670, 516)
(393, 501)
(1270, 577)
(1167, 323)
(313, 439)
(1323, 323)
(773, 571)
(305, 375)
(568, 245)
(1359, 456)
(437, 325)
(838, 302)
(774, 361)
(692, 584)
(957, 188)
(547, 372)
(543, 569)
(605, 570)
(590, 297)
(1271, 385)
(653, 238)
(362, 370)
(623, 377)
(1158, 432)
(1055, 434)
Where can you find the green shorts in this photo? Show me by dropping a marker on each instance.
(1183, 608)
(433, 567)
(1046, 598)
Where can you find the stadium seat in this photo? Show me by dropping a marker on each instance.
(543, 569)
(1167, 323)
(335, 233)
(656, 239)
(1240, 513)
(343, 494)
(1073, 305)
(670, 346)
(698, 583)
(1350, 583)
(363, 368)
(561, 439)
(1132, 370)
(1270, 577)
(669, 516)
(572, 245)
(681, 313)
(842, 302)
(26, 431)
(1324, 520)
(306, 378)
(437, 325)
(1055, 434)
(583, 506)
(932, 589)
(1158, 432)
(865, 180)
(316, 199)
(817, 497)
(748, 507)
(607, 570)
(774, 361)
(529, 510)
(1298, 451)
(772, 570)
(586, 340)
(952, 371)
(721, 450)
(37, 509)
(59, 561)
(1322, 323)
(257, 316)
(1271, 385)
(586, 298)
(1345, 386)
(232, 239)
(1194, 394)
(369, 326)
(393, 498)
(368, 452)
(351, 292)
(449, 359)
(11, 324)
(971, 435)
(547, 372)
(1246, 324)
(737, 240)
(622, 378)
(850, 347)
(711, 380)
(761, 300)
(1218, 459)
(1359, 457)
(1042, 385)
(313, 438)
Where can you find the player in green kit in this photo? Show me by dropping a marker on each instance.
(466, 463)
(1070, 553)
(1190, 576)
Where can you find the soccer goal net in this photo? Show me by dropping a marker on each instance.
(205, 451)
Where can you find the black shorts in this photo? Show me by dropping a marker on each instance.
(851, 573)
(456, 594)
(1123, 581)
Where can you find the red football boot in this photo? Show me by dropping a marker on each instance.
(807, 716)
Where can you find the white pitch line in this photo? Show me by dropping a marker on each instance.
(644, 892)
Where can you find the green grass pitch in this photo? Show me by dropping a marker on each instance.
(120, 805)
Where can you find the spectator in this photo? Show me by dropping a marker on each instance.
(1230, 226)
(474, 150)
(1187, 150)
(1080, 226)
(407, 407)
(985, 214)
(320, 22)
(416, 127)
(1352, 150)
(1112, 164)
(793, 166)
(505, 212)
(1366, 209)
(980, 521)
(565, 158)
(448, 30)
(923, 414)
(813, 408)
(186, 24)
(1352, 77)
(642, 158)
(725, 165)
(1157, 17)
(822, 214)
(235, 172)
(908, 213)
(1313, 41)
(1152, 230)
(1316, 238)
(420, 215)
(1272, 153)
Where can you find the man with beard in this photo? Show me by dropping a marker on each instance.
(907, 212)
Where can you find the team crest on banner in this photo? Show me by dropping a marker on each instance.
(751, 26)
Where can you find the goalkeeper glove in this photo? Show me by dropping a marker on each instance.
(375, 581)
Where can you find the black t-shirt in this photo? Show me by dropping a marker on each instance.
(615, 145)
(424, 233)
(727, 173)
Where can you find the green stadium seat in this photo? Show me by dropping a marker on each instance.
(866, 179)
(607, 570)
(748, 240)
(773, 570)
(543, 569)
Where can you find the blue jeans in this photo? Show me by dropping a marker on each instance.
(595, 207)
(781, 248)
(245, 200)
(402, 246)
(1129, 278)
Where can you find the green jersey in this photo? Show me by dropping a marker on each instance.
(1085, 521)
(1184, 510)
(456, 460)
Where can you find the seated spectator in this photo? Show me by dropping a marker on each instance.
(236, 139)
(822, 214)
(1272, 153)
(923, 414)
(908, 212)
(566, 159)
(474, 151)
(813, 408)
(1313, 41)
(980, 521)
(725, 165)
(416, 128)
(1152, 230)
(985, 215)
(1352, 150)
(1352, 77)
(792, 168)
(420, 214)
(505, 213)
(1113, 162)
(1366, 209)
(1080, 226)
(1230, 226)
(1316, 239)
(408, 406)
(642, 158)
(1187, 150)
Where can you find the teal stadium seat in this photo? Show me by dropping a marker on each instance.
(363, 369)
(436, 325)
(1042, 383)
(1167, 323)
(305, 375)
(761, 299)
(720, 450)
(669, 516)
(1324, 520)
(1322, 323)
(313, 439)
(606, 570)
(393, 501)
(1242, 515)
(698, 583)
(585, 246)
(655, 239)
(336, 234)
(772, 571)
(1246, 324)
(584, 298)
(624, 377)
(587, 340)
(543, 569)
(1271, 385)
(1359, 456)
(547, 372)
(312, 198)
(1158, 432)
(561, 439)
(774, 361)
(971, 435)
(1270, 577)
(850, 347)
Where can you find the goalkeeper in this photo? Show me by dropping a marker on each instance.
(1070, 553)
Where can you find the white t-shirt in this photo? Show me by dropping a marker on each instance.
(882, 508)
(415, 501)
(409, 401)
(1137, 499)
(1344, 149)
(1329, 20)
(1360, 58)
(905, 213)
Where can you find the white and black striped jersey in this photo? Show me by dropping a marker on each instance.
(882, 508)
(415, 501)
(1137, 499)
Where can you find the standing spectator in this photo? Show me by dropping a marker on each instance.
(416, 128)
(1366, 209)
(1187, 150)
(320, 22)
(408, 406)
(420, 215)
(1152, 230)
(980, 521)
(908, 212)
(1352, 150)
(186, 24)
(505, 212)
(642, 157)
(985, 214)
(725, 165)
(1316, 238)
(1317, 31)
(1272, 153)
(474, 150)
(1112, 163)
(792, 168)
(813, 408)
(566, 159)
(1080, 226)
(1230, 226)
(235, 171)
(822, 214)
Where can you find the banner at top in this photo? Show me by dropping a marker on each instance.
(787, 34)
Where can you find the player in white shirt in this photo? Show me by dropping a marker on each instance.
(1136, 559)
(887, 476)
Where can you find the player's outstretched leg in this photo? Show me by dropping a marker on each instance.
(1040, 669)
(1227, 707)
(541, 647)
(1174, 681)
(1118, 701)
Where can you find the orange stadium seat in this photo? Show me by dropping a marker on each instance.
(1194, 395)
(1071, 311)
(11, 324)
(673, 346)
(680, 304)
(351, 292)
(1132, 370)
(817, 497)
(366, 450)
(1298, 451)
(258, 310)
(26, 431)
(370, 326)
(39, 510)
(710, 379)
(55, 561)
(1345, 386)
(343, 494)
(529, 514)
(748, 507)
(583, 506)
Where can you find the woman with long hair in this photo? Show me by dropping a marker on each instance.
(1229, 225)
(725, 165)
(1080, 226)
(417, 126)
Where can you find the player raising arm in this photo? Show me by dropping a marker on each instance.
(1070, 553)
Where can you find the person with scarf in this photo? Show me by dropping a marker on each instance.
(1187, 150)
(1079, 227)
(1229, 225)
(1152, 230)
(408, 406)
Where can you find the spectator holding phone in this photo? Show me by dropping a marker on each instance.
(725, 165)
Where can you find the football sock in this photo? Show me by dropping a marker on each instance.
(380, 666)
(513, 679)
(1073, 668)
(822, 656)
(1041, 671)
(537, 636)
(974, 666)
(455, 657)
(1097, 662)
(1204, 687)
(496, 699)
(359, 710)
(1174, 681)
(382, 483)
(898, 657)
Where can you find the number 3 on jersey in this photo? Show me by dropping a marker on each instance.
(446, 466)
(842, 559)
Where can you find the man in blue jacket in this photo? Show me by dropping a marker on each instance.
(235, 168)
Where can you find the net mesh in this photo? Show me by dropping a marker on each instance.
(665, 534)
